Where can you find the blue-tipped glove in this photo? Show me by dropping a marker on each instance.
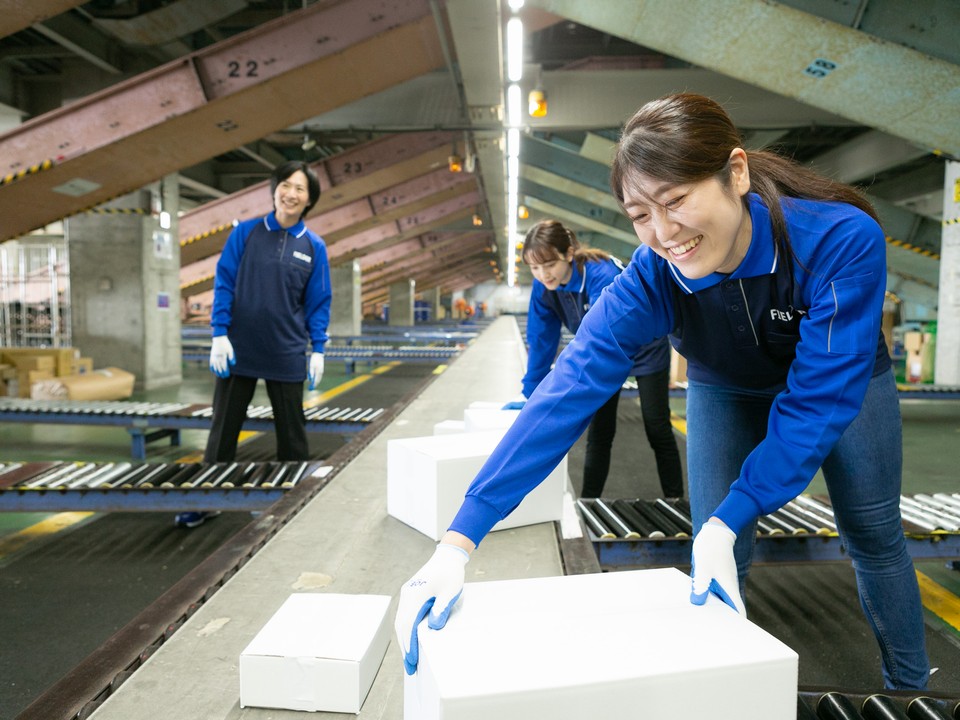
(434, 589)
(316, 369)
(221, 356)
(517, 403)
(714, 567)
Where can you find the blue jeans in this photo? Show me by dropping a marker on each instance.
(863, 476)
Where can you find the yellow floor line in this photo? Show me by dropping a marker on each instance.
(313, 402)
(679, 424)
(940, 601)
(48, 526)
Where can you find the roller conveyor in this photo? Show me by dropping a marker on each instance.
(635, 533)
(887, 705)
(167, 487)
(147, 422)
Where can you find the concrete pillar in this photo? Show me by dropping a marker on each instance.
(947, 361)
(346, 305)
(401, 302)
(432, 298)
(125, 284)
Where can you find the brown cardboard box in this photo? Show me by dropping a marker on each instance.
(912, 341)
(105, 384)
(82, 365)
(62, 357)
(27, 378)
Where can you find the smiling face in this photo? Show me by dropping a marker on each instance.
(552, 272)
(701, 227)
(290, 199)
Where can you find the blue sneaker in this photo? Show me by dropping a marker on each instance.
(192, 519)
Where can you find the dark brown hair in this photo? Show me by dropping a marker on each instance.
(282, 172)
(549, 240)
(687, 138)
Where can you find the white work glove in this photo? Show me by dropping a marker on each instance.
(517, 403)
(714, 567)
(434, 589)
(316, 369)
(221, 356)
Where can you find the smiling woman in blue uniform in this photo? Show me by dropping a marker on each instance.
(271, 296)
(770, 280)
(568, 280)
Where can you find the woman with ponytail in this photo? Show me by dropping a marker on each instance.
(769, 279)
(567, 280)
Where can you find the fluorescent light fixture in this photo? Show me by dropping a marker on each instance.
(516, 4)
(514, 109)
(513, 143)
(514, 49)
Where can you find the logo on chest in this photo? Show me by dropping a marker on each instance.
(786, 315)
(302, 256)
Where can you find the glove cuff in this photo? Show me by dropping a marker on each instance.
(454, 551)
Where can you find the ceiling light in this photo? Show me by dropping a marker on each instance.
(455, 163)
(514, 49)
(308, 143)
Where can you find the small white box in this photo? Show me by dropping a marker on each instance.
(611, 645)
(319, 652)
(449, 427)
(484, 419)
(427, 478)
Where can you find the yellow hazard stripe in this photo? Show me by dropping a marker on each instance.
(48, 526)
(914, 248)
(940, 601)
(20, 174)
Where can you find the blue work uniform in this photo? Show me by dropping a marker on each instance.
(810, 323)
(566, 306)
(271, 295)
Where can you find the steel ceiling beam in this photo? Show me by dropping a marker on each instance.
(136, 132)
(792, 53)
(18, 15)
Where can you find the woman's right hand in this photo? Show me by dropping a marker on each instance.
(434, 589)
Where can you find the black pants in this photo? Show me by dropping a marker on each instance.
(654, 392)
(232, 396)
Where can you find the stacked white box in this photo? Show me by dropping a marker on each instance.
(319, 652)
(611, 645)
(427, 478)
(449, 427)
(486, 419)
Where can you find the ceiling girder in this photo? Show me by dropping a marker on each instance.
(136, 132)
(826, 65)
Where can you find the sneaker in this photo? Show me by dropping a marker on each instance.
(193, 519)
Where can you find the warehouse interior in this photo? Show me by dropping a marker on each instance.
(134, 133)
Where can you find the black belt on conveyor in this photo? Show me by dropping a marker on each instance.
(121, 487)
(636, 532)
(147, 422)
(887, 705)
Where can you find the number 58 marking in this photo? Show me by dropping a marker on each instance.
(820, 68)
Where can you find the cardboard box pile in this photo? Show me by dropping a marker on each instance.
(319, 652)
(604, 645)
(59, 374)
(427, 478)
(22, 367)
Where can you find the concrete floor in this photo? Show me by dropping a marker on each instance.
(344, 538)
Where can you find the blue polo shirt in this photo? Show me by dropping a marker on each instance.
(271, 295)
(550, 310)
(837, 280)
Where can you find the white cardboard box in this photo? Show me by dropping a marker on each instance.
(319, 651)
(484, 419)
(605, 645)
(427, 478)
(449, 427)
